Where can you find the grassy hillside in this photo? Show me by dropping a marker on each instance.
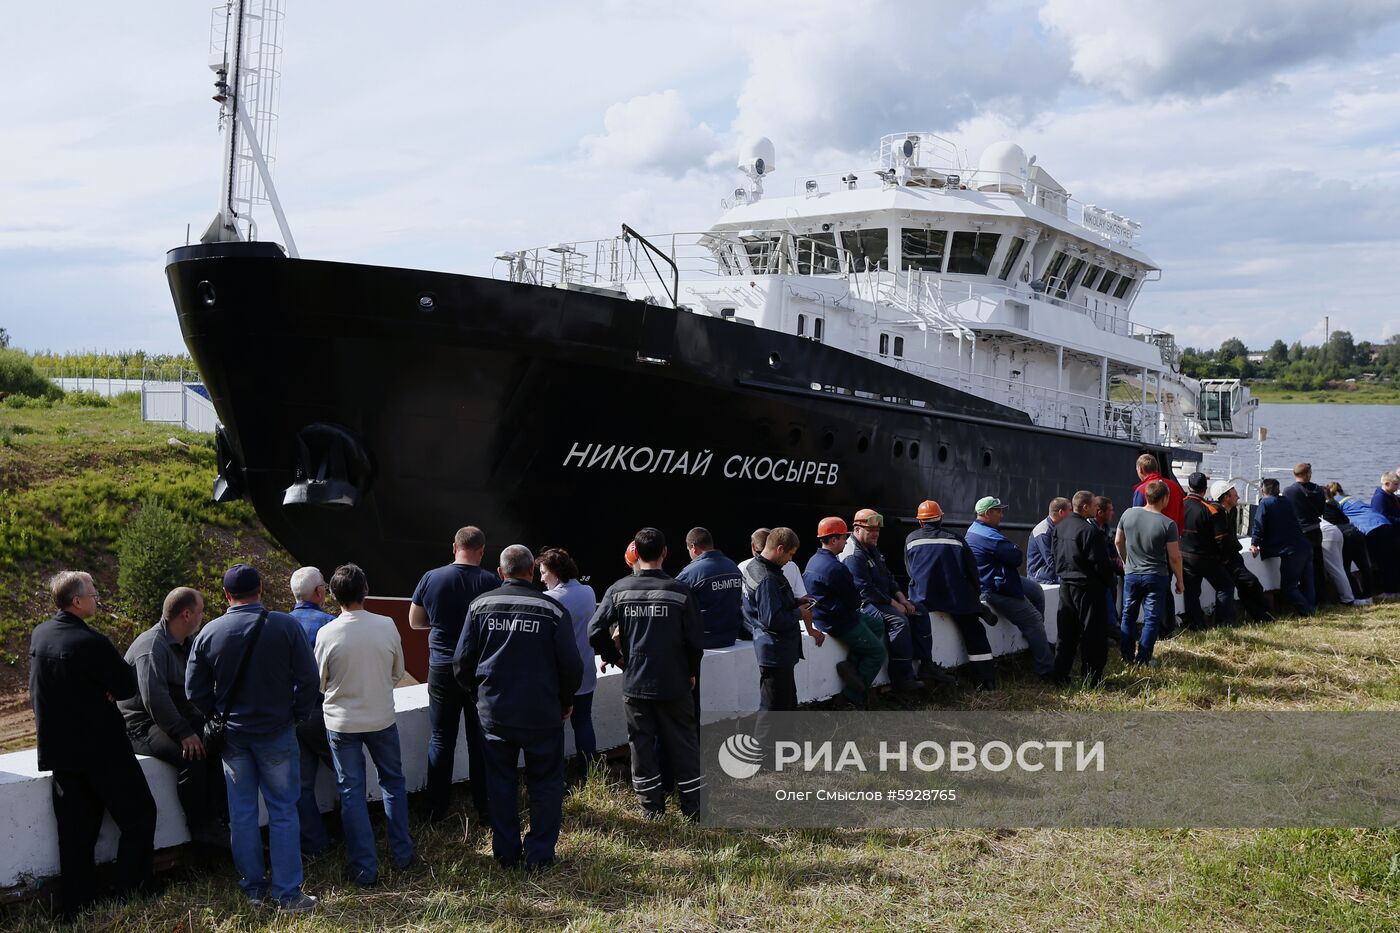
(1355, 393)
(71, 475)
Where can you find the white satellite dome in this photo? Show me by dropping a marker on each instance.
(757, 157)
(1002, 167)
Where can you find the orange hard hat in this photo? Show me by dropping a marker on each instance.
(631, 555)
(930, 511)
(834, 525)
(869, 518)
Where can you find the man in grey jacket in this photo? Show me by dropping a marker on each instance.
(161, 721)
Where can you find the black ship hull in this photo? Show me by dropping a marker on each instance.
(369, 412)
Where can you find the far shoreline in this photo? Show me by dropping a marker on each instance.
(1379, 395)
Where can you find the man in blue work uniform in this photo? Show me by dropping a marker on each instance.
(309, 590)
(718, 588)
(998, 566)
(836, 612)
(519, 662)
(943, 578)
(440, 605)
(1276, 532)
(1040, 549)
(879, 593)
(775, 616)
(649, 625)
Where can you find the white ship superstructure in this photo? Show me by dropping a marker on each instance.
(991, 280)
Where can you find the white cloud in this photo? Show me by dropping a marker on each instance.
(651, 132)
(1138, 48)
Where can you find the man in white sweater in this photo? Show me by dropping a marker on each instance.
(361, 658)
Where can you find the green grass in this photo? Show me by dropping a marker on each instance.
(80, 469)
(619, 872)
(72, 473)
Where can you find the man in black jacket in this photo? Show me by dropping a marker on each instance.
(518, 660)
(1202, 557)
(660, 639)
(1308, 500)
(1086, 572)
(75, 677)
(1246, 584)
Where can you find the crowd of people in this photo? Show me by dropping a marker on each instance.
(254, 703)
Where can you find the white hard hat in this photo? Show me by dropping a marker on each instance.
(1220, 487)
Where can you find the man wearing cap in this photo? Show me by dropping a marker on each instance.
(836, 612)
(1202, 558)
(1246, 584)
(659, 643)
(1040, 549)
(1085, 571)
(276, 688)
(998, 567)
(879, 593)
(943, 578)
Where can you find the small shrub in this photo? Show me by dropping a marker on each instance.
(19, 377)
(82, 398)
(154, 555)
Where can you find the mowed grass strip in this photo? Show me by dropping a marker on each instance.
(620, 872)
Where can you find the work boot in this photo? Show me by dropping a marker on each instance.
(934, 673)
(850, 677)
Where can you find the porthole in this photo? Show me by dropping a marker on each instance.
(426, 303)
(775, 360)
(828, 440)
(913, 450)
(206, 294)
(942, 453)
(898, 449)
(986, 458)
(863, 444)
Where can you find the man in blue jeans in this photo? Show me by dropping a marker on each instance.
(440, 605)
(1276, 532)
(360, 659)
(1003, 587)
(309, 590)
(520, 662)
(1149, 544)
(275, 690)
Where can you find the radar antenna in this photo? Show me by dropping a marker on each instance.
(245, 45)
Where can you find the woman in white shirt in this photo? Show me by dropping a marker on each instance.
(559, 574)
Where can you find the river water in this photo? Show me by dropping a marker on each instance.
(1348, 444)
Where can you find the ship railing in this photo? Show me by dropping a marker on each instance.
(617, 262)
(947, 175)
(1047, 406)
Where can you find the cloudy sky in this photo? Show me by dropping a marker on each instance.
(1256, 140)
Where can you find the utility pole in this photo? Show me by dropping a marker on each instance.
(1326, 329)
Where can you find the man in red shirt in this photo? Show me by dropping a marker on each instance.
(1147, 471)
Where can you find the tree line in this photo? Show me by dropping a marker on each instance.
(1298, 367)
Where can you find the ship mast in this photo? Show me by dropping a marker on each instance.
(245, 48)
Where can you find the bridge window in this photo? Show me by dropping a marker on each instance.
(1052, 271)
(1066, 284)
(1091, 276)
(1013, 253)
(1107, 281)
(923, 249)
(1125, 283)
(971, 253)
(816, 254)
(869, 249)
(763, 254)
